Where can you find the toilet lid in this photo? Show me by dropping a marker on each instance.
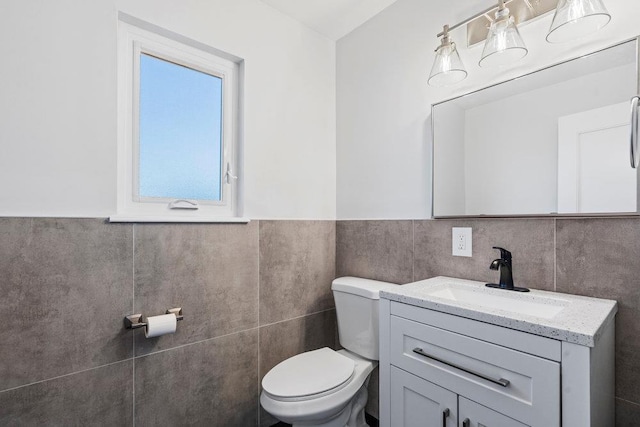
(308, 373)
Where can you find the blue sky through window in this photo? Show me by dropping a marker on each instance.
(180, 131)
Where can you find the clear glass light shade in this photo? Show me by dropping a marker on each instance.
(577, 18)
(504, 44)
(447, 69)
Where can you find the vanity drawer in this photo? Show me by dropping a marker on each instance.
(519, 385)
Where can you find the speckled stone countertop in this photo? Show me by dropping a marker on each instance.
(564, 317)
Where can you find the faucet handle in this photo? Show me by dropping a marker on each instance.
(504, 254)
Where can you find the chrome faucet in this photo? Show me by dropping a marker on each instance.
(503, 264)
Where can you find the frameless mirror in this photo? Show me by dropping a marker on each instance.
(555, 141)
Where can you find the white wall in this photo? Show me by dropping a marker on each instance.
(58, 118)
(384, 103)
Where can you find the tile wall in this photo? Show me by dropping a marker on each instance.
(593, 257)
(252, 296)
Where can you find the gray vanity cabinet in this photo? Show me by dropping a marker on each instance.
(474, 415)
(439, 369)
(416, 402)
(519, 385)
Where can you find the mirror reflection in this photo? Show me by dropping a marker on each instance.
(554, 141)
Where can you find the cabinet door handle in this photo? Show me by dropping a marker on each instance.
(445, 415)
(466, 422)
(501, 382)
(634, 131)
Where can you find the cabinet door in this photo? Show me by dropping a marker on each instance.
(474, 415)
(418, 403)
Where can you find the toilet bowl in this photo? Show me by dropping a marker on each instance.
(327, 388)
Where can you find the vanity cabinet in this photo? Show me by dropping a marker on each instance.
(417, 402)
(474, 415)
(439, 369)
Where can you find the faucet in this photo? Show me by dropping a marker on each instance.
(503, 264)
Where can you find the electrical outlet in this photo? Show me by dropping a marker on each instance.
(461, 241)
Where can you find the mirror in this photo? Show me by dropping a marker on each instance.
(555, 141)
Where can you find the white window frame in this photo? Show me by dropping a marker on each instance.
(132, 42)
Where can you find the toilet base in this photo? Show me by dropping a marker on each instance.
(356, 418)
(351, 416)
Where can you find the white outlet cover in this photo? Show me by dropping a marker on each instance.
(461, 241)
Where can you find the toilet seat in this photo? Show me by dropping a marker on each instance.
(326, 408)
(309, 375)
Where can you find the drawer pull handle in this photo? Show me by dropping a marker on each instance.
(466, 422)
(445, 415)
(501, 382)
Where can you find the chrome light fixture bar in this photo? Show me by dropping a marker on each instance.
(573, 19)
(521, 10)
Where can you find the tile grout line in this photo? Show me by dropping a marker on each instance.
(258, 364)
(627, 401)
(196, 342)
(133, 335)
(413, 250)
(297, 317)
(555, 254)
(65, 375)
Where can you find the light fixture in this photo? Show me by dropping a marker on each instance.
(504, 44)
(448, 68)
(572, 19)
(577, 18)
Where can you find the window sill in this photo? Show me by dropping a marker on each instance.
(177, 219)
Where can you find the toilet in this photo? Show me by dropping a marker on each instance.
(324, 387)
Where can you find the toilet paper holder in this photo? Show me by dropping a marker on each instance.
(134, 321)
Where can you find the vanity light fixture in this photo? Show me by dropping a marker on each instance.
(504, 45)
(448, 68)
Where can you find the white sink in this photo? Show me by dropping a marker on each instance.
(572, 318)
(511, 301)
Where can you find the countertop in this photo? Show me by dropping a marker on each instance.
(581, 320)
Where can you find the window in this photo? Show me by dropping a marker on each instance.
(177, 136)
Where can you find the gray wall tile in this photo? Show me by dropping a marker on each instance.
(210, 383)
(279, 341)
(72, 272)
(58, 273)
(379, 250)
(531, 241)
(599, 258)
(297, 265)
(97, 397)
(210, 270)
(67, 285)
(627, 414)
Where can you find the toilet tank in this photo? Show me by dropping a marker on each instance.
(357, 303)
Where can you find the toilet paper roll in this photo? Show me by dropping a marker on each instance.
(160, 325)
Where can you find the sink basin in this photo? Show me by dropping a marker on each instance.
(532, 305)
(571, 318)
